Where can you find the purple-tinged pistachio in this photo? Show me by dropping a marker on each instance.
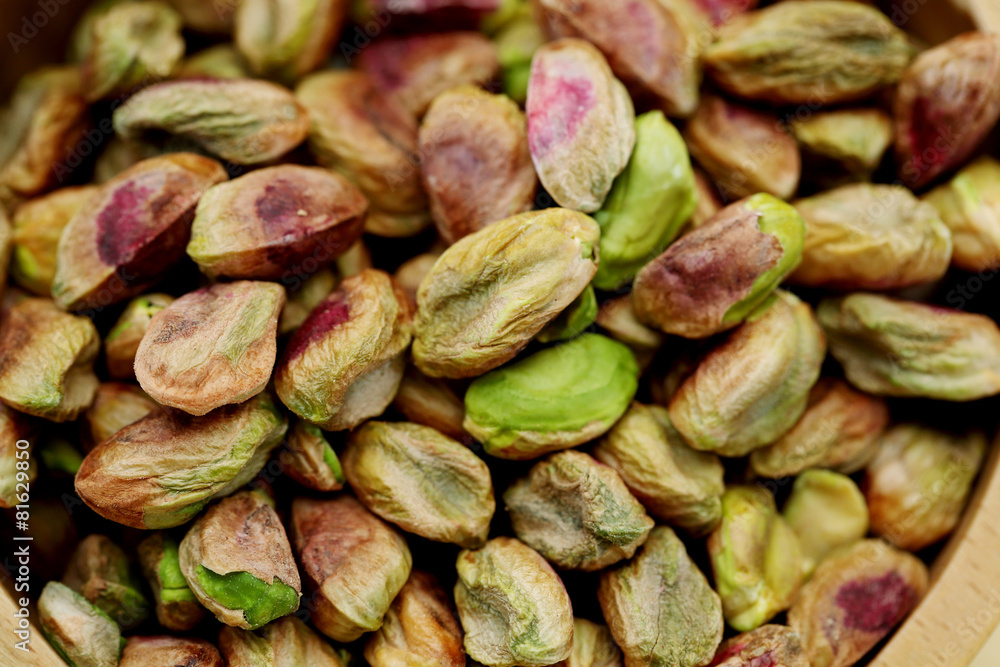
(800, 52)
(132, 44)
(211, 347)
(838, 430)
(826, 511)
(969, 204)
(677, 484)
(617, 317)
(707, 201)
(513, 607)
(420, 628)
(946, 103)
(100, 571)
(768, 645)
(306, 295)
(240, 120)
(429, 12)
(431, 402)
(47, 360)
(581, 123)
(573, 320)
(744, 150)
(891, 347)
(160, 471)
(715, 276)
(653, 46)
(221, 61)
(577, 513)
(752, 388)
(238, 563)
(345, 363)
(491, 292)
(164, 651)
(854, 600)
(721, 12)
(865, 236)
(659, 606)
(17, 465)
(353, 562)
(177, 608)
(284, 40)
(843, 143)
(415, 69)
(79, 632)
(918, 483)
(286, 642)
(122, 342)
(371, 138)
(475, 161)
(756, 558)
(276, 223)
(132, 231)
(310, 459)
(593, 646)
(422, 481)
(37, 226)
(516, 44)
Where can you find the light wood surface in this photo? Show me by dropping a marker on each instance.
(40, 653)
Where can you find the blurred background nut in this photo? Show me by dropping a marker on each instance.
(344, 364)
(516, 43)
(310, 460)
(353, 563)
(80, 633)
(573, 320)
(475, 161)
(581, 123)
(221, 61)
(659, 606)
(160, 471)
(276, 223)
(14, 427)
(422, 481)
(713, 277)
(776, 645)
(560, 397)
(677, 484)
(101, 572)
(576, 512)
(211, 347)
(166, 651)
(213, 18)
(118, 154)
(177, 608)
(592, 646)
(132, 231)
(721, 12)
(6, 247)
(431, 402)
(412, 272)
(919, 481)
(842, 144)
(617, 317)
(707, 200)
(969, 204)
(122, 342)
(491, 292)
(286, 642)
(512, 605)
(303, 296)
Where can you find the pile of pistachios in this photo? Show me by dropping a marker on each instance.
(296, 288)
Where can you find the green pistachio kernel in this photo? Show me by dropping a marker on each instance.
(574, 320)
(259, 601)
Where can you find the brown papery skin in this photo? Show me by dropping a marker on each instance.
(163, 651)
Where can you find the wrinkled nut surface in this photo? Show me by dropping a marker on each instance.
(286, 642)
(431, 402)
(177, 608)
(843, 142)
(919, 481)
(238, 563)
(969, 204)
(576, 512)
(715, 276)
(160, 471)
(353, 562)
(122, 342)
(372, 139)
(581, 123)
(946, 103)
(47, 360)
(244, 121)
(276, 223)
(891, 347)
(751, 389)
(512, 605)
(659, 606)
(80, 633)
(211, 347)
(648, 204)
(475, 161)
(743, 149)
(854, 599)
(838, 430)
(876, 237)
(14, 427)
(826, 511)
(560, 397)
(420, 628)
(491, 292)
(344, 364)
(593, 646)
(422, 481)
(100, 571)
(310, 460)
(776, 645)
(305, 295)
(132, 231)
(798, 52)
(677, 484)
(167, 651)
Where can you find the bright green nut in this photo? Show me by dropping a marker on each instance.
(259, 601)
(891, 347)
(177, 608)
(557, 398)
(100, 571)
(659, 606)
(574, 320)
(82, 634)
(649, 202)
(826, 511)
(756, 558)
(516, 44)
(970, 205)
(491, 292)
